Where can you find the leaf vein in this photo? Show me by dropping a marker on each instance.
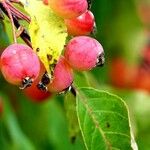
(112, 112)
(117, 133)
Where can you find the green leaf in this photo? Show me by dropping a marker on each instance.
(103, 120)
(70, 107)
(48, 32)
(4, 41)
(18, 138)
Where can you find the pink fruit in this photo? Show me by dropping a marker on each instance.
(82, 25)
(19, 65)
(68, 8)
(83, 53)
(63, 76)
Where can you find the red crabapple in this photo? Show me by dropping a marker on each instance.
(33, 92)
(119, 73)
(68, 8)
(82, 25)
(142, 79)
(20, 65)
(84, 53)
(63, 76)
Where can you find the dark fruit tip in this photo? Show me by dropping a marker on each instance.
(41, 86)
(26, 82)
(100, 60)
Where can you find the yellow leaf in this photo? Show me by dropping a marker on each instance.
(48, 32)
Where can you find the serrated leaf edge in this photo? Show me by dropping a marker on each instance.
(133, 143)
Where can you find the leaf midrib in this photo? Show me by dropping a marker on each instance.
(89, 110)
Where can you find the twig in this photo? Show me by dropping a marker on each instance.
(16, 1)
(24, 35)
(11, 20)
(18, 13)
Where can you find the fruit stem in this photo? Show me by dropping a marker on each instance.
(18, 13)
(24, 35)
(11, 20)
(15, 1)
(1, 14)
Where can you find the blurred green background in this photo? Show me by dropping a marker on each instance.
(123, 28)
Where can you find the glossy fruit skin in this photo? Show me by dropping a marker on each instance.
(68, 8)
(18, 61)
(82, 53)
(63, 76)
(33, 93)
(82, 25)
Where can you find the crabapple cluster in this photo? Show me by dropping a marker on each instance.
(81, 53)
(21, 66)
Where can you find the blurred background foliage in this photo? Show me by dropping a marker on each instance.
(123, 28)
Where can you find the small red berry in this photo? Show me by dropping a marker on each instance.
(82, 25)
(119, 73)
(142, 80)
(63, 76)
(68, 8)
(34, 93)
(84, 53)
(20, 65)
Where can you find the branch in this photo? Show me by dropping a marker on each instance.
(18, 13)
(24, 35)
(11, 20)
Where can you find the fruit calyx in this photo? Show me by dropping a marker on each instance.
(26, 82)
(100, 60)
